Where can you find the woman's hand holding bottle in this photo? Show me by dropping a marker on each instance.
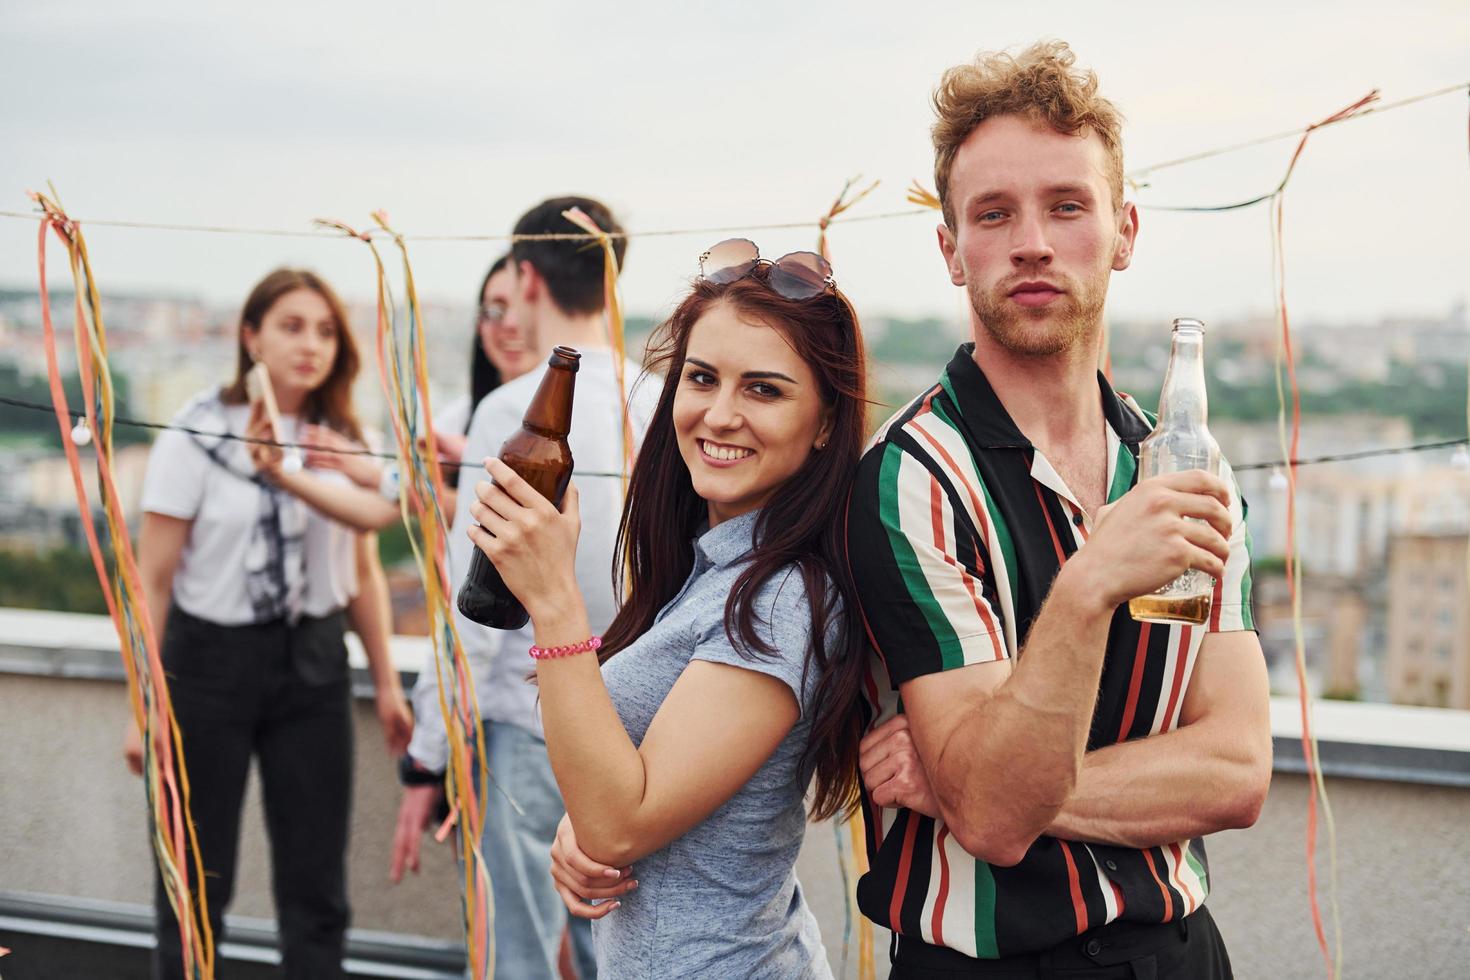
(532, 545)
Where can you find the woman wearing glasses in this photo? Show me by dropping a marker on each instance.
(497, 355)
(731, 672)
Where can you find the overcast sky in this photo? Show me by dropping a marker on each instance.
(456, 117)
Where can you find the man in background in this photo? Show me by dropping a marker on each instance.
(557, 297)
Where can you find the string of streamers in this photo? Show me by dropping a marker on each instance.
(852, 860)
(1353, 111)
(857, 832)
(448, 463)
(403, 372)
(615, 337)
(165, 776)
(924, 197)
(1203, 208)
(537, 237)
(1366, 106)
(840, 204)
(916, 195)
(1135, 175)
(1290, 448)
(849, 892)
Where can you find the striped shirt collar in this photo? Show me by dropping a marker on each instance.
(991, 426)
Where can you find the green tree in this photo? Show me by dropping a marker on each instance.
(37, 426)
(62, 580)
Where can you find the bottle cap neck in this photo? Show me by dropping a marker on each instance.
(1183, 398)
(550, 411)
(564, 357)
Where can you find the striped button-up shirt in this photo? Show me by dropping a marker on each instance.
(957, 527)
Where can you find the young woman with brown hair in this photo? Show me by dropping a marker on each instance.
(249, 587)
(732, 670)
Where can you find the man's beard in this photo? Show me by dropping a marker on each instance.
(1042, 332)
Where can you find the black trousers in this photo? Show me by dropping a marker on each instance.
(1190, 949)
(282, 694)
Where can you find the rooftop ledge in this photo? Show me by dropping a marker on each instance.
(1356, 740)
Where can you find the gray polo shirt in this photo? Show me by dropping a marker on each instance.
(723, 899)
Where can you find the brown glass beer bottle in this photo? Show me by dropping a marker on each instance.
(540, 454)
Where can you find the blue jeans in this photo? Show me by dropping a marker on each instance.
(529, 914)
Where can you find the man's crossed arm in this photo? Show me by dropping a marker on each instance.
(1211, 773)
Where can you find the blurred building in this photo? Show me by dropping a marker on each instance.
(50, 484)
(1428, 622)
(1344, 511)
(1339, 634)
(1428, 619)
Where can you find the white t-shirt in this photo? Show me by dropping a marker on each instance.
(498, 658)
(451, 419)
(210, 582)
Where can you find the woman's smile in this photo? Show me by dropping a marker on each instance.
(718, 454)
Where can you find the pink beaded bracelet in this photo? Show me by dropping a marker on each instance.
(592, 644)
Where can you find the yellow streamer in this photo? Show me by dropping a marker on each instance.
(841, 204)
(420, 492)
(610, 272)
(165, 777)
(1309, 737)
(852, 860)
(858, 829)
(923, 196)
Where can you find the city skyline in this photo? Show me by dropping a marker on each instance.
(1352, 514)
(457, 120)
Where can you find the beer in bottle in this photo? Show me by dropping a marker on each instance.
(1180, 441)
(540, 454)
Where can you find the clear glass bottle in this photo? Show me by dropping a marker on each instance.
(1180, 441)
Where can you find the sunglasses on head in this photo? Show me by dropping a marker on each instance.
(795, 275)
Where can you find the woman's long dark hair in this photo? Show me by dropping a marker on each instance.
(484, 375)
(802, 524)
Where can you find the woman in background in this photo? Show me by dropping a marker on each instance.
(252, 589)
(497, 354)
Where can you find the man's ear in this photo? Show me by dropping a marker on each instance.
(529, 282)
(1127, 235)
(949, 248)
